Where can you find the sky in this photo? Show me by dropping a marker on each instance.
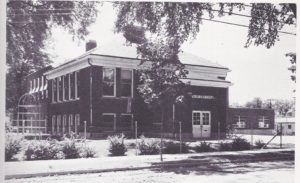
(255, 71)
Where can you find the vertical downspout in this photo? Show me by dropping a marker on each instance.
(91, 92)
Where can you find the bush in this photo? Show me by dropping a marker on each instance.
(87, 152)
(172, 147)
(69, 149)
(259, 144)
(203, 147)
(225, 146)
(53, 149)
(13, 145)
(44, 150)
(116, 145)
(240, 144)
(148, 146)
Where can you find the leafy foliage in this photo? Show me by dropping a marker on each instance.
(13, 145)
(239, 144)
(53, 149)
(29, 25)
(259, 144)
(203, 147)
(44, 150)
(255, 103)
(292, 68)
(225, 146)
(117, 146)
(148, 146)
(173, 147)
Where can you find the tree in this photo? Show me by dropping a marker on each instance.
(255, 103)
(283, 107)
(29, 24)
(160, 28)
(292, 68)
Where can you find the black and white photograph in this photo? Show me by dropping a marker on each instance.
(149, 91)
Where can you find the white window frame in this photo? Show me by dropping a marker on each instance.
(57, 89)
(114, 122)
(76, 122)
(58, 123)
(76, 86)
(115, 81)
(53, 101)
(131, 81)
(64, 122)
(240, 124)
(53, 124)
(69, 86)
(264, 119)
(71, 122)
(63, 87)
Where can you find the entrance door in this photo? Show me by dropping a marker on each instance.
(201, 124)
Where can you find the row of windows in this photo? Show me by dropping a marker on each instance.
(109, 82)
(39, 86)
(65, 123)
(263, 122)
(109, 120)
(65, 88)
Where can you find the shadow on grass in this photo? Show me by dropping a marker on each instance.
(227, 164)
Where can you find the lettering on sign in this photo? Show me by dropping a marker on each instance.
(209, 97)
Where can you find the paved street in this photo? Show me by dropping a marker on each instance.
(262, 172)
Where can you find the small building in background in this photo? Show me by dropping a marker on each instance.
(255, 121)
(287, 124)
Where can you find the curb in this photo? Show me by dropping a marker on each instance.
(191, 163)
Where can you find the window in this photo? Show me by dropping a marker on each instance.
(126, 120)
(42, 87)
(108, 82)
(77, 122)
(196, 118)
(72, 86)
(126, 83)
(66, 87)
(58, 121)
(53, 123)
(76, 85)
(54, 90)
(263, 122)
(240, 122)
(59, 89)
(34, 85)
(108, 120)
(64, 125)
(205, 118)
(71, 124)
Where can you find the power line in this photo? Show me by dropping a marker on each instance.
(241, 25)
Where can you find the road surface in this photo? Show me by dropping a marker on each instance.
(260, 172)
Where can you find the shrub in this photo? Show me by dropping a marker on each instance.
(225, 146)
(13, 145)
(203, 147)
(69, 148)
(172, 147)
(240, 144)
(259, 144)
(87, 152)
(148, 146)
(44, 150)
(116, 145)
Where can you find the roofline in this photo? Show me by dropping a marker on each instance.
(49, 66)
(223, 81)
(250, 108)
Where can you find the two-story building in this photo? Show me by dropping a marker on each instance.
(99, 89)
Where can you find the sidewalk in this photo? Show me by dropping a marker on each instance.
(24, 169)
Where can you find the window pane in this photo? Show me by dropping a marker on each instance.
(72, 85)
(77, 85)
(108, 74)
(66, 87)
(126, 83)
(54, 91)
(108, 82)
